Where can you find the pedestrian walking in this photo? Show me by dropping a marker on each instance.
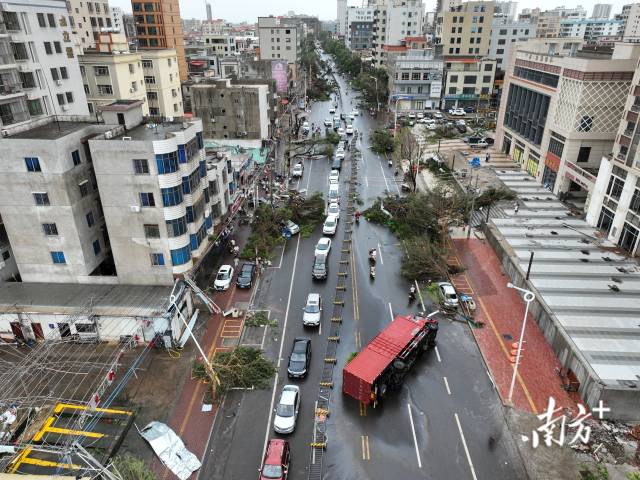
(487, 157)
(515, 209)
(235, 263)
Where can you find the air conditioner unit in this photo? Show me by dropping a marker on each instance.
(24, 68)
(5, 133)
(131, 90)
(65, 108)
(58, 82)
(108, 134)
(170, 119)
(135, 208)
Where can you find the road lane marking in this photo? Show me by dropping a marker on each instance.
(380, 252)
(466, 450)
(366, 181)
(446, 384)
(363, 409)
(309, 175)
(390, 311)
(438, 355)
(383, 176)
(415, 439)
(364, 440)
(284, 329)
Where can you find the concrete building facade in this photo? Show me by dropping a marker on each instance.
(560, 113)
(505, 32)
(591, 30)
(631, 17)
(394, 20)
(159, 26)
(359, 28)
(415, 80)
(40, 74)
(116, 19)
(86, 20)
(234, 109)
(508, 9)
(280, 41)
(602, 10)
(615, 201)
(341, 18)
(162, 82)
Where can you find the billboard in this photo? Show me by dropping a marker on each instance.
(279, 74)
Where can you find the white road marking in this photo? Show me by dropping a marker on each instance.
(466, 450)
(415, 440)
(383, 176)
(491, 379)
(446, 384)
(366, 181)
(309, 175)
(438, 354)
(380, 251)
(390, 311)
(284, 329)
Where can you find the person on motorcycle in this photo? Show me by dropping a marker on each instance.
(412, 292)
(358, 215)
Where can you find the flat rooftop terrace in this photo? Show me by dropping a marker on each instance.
(148, 132)
(51, 130)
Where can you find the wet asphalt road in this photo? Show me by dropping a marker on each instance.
(417, 432)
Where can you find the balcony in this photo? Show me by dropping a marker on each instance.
(9, 118)
(635, 107)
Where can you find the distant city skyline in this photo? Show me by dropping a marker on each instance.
(325, 10)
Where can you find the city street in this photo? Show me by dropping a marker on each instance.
(437, 426)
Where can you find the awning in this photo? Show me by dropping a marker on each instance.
(198, 63)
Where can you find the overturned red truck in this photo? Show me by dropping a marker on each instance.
(386, 360)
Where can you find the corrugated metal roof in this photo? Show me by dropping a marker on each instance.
(591, 288)
(65, 299)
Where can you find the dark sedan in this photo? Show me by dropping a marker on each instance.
(245, 277)
(299, 358)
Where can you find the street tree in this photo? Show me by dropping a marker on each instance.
(408, 149)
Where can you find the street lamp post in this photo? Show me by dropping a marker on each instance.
(529, 297)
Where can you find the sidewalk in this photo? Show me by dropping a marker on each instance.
(502, 309)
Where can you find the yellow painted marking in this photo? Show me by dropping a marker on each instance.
(38, 436)
(68, 431)
(18, 461)
(363, 409)
(46, 463)
(364, 441)
(64, 406)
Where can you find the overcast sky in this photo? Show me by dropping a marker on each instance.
(250, 10)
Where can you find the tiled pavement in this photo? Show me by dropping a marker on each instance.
(187, 418)
(501, 310)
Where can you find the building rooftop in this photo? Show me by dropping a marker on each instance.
(51, 130)
(66, 299)
(148, 132)
(120, 106)
(588, 284)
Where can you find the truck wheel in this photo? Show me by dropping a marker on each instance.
(399, 365)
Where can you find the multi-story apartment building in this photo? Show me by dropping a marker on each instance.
(394, 20)
(560, 113)
(159, 26)
(222, 44)
(469, 71)
(507, 9)
(129, 26)
(601, 10)
(162, 81)
(280, 41)
(548, 21)
(415, 80)
(341, 22)
(115, 202)
(591, 30)
(359, 28)
(241, 109)
(631, 17)
(615, 200)
(40, 73)
(505, 31)
(86, 20)
(116, 19)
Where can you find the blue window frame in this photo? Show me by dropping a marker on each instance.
(206, 195)
(75, 155)
(177, 227)
(180, 256)
(147, 200)
(203, 169)
(33, 164)
(90, 220)
(96, 247)
(171, 196)
(208, 221)
(189, 214)
(58, 257)
(193, 239)
(157, 259)
(200, 140)
(41, 198)
(167, 162)
(182, 154)
(186, 188)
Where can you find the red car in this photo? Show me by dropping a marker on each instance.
(275, 465)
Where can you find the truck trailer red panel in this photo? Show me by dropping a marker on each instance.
(360, 374)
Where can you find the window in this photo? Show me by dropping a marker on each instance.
(60, 97)
(41, 199)
(57, 47)
(47, 48)
(452, 90)
(167, 162)
(149, 79)
(470, 79)
(486, 79)
(96, 247)
(405, 76)
(101, 71)
(50, 229)
(141, 166)
(614, 190)
(180, 256)
(151, 230)
(147, 200)
(75, 156)
(33, 164)
(585, 124)
(157, 259)
(52, 20)
(556, 147)
(171, 196)
(86, 89)
(501, 41)
(63, 73)
(35, 107)
(147, 64)
(69, 96)
(84, 188)
(415, 76)
(453, 78)
(488, 67)
(177, 227)
(132, 68)
(453, 29)
(41, 21)
(58, 257)
(105, 89)
(583, 154)
(500, 51)
(6, 255)
(90, 220)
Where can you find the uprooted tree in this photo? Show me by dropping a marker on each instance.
(242, 367)
(408, 149)
(130, 467)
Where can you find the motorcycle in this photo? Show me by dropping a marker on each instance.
(372, 256)
(372, 272)
(412, 294)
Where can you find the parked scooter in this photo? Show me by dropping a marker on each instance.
(372, 272)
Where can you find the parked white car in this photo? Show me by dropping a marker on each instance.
(449, 295)
(355, 113)
(328, 122)
(457, 112)
(339, 153)
(323, 246)
(333, 210)
(332, 110)
(330, 226)
(349, 129)
(341, 131)
(431, 125)
(292, 227)
(298, 170)
(419, 115)
(287, 410)
(334, 176)
(437, 115)
(223, 278)
(312, 311)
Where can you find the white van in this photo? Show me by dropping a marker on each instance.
(334, 193)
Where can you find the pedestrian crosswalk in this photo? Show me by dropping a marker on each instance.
(480, 216)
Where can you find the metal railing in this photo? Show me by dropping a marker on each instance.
(320, 438)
